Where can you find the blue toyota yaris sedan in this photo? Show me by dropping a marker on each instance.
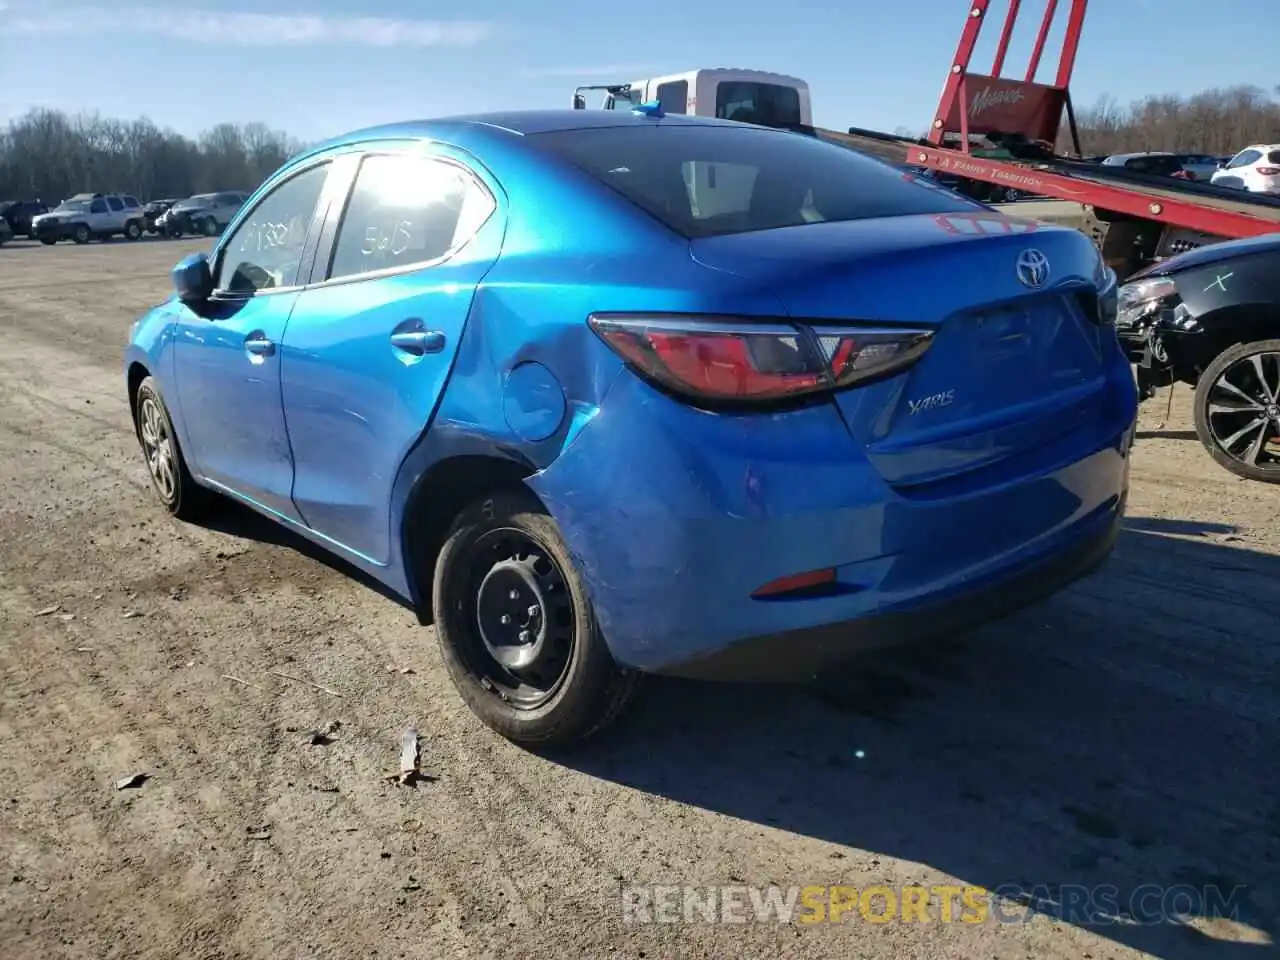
(605, 394)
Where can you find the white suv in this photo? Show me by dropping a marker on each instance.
(1255, 168)
(88, 215)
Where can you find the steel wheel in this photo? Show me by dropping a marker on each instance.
(516, 626)
(157, 448)
(522, 617)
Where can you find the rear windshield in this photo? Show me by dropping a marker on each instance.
(704, 181)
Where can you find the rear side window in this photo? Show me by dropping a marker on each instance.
(115, 203)
(768, 104)
(407, 210)
(705, 181)
(674, 96)
(1273, 156)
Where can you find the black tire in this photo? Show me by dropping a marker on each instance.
(48, 241)
(1244, 440)
(80, 233)
(177, 490)
(132, 230)
(209, 227)
(590, 690)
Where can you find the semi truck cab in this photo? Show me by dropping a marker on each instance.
(748, 96)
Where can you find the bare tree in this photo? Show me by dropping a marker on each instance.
(52, 155)
(1219, 122)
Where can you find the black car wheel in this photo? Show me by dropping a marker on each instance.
(209, 227)
(1237, 409)
(170, 478)
(48, 241)
(516, 629)
(132, 230)
(81, 233)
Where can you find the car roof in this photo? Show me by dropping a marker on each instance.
(1122, 157)
(519, 123)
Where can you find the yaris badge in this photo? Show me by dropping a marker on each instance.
(1032, 268)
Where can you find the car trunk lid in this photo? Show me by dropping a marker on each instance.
(1012, 365)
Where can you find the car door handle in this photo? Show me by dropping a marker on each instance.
(259, 345)
(418, 342)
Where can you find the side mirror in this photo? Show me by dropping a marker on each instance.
(579, 102)
(192, 278)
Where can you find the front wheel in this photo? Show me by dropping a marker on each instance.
(1237, 409)
(81, 234)
(132, 230)
(48, 241)
(170, 478)
(210, 227)
(516, 629)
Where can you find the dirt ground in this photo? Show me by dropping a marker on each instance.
(1124, 733)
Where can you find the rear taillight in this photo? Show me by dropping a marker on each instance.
(718, 359)
(1269, 171)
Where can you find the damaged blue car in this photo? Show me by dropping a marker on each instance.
(606, 394)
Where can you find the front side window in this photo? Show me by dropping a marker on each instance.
(623, 101)
(406, 210)
(115, 203)
(767, 104)
(98, 206)
(265, 251)
(704, 181)
(131, 203)
(1244, 158)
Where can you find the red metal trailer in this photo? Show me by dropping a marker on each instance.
(1134, 217)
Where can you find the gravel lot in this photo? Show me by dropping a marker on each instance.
(1124, 733)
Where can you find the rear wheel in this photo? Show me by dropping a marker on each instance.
(48, 241)
(170, 478)
(516, 629)
(210, 227)
(1237, 409)
(81, 233)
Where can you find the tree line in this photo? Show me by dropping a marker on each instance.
(1220, 122)
(52, 155)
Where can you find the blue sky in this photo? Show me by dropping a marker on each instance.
(319, 67)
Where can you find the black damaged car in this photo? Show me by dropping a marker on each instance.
(152, 212)
(1211, 318)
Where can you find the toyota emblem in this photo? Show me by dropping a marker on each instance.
(1032, 268)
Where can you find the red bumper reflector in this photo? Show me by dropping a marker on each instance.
(797, 582)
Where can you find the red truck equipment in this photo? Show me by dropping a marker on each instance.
(1135, 218)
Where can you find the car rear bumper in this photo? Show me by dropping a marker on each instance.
(799, 654)
(676, 518)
